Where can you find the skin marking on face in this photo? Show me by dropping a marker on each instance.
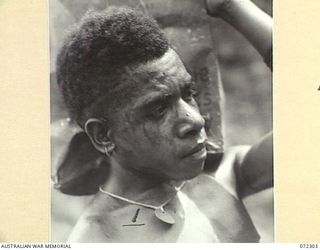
(162, 122)
(163, 103)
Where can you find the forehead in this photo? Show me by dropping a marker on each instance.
(169, 65)
(165, 74)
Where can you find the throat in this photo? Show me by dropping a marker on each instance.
(138, 187)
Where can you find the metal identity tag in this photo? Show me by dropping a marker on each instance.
(164, 216)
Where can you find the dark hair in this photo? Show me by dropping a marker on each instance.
(91, 70)
(91, 64)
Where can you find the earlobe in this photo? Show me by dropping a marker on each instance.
(108, 148)
(98, 133)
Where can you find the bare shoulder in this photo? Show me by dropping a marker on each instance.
(245, 170)
(226, 172)
(95, 224)
(91, 229)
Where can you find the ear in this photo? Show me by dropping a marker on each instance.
(99, 133)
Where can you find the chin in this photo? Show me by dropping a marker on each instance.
(190, 172)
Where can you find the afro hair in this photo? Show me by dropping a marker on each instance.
(92, 60)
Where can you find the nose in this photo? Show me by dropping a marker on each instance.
(189, 120)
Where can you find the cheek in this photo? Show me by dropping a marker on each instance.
(152, 139)
(158, 134)
(151, 135)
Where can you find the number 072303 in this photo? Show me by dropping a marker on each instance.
(309, 246)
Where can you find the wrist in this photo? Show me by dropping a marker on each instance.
(225, 8)
(220, 10)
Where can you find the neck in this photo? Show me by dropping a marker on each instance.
(138, 187)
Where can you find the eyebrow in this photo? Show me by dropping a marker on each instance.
(163, 95)
(154, 99)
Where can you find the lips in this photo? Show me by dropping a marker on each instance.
(198, 149)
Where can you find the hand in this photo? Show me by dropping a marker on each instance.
(216, 7)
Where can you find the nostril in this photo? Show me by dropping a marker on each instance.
(191, 133)
(189, 120)
(190, 125)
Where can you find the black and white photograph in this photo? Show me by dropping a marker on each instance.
(161, 121)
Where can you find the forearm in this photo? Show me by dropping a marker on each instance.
(249, 20)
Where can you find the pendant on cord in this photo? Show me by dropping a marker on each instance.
(164, 216)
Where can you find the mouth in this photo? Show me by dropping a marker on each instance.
(198, 152)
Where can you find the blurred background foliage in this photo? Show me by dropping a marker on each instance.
(247, 109)
(247, 84)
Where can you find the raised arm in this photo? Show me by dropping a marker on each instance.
(254, 168)
(248, 19)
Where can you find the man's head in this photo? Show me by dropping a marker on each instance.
(117, 67)
(93, 62)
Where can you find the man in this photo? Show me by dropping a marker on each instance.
(132, 95)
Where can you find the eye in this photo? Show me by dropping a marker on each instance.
(189, 94)
(158, 111)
